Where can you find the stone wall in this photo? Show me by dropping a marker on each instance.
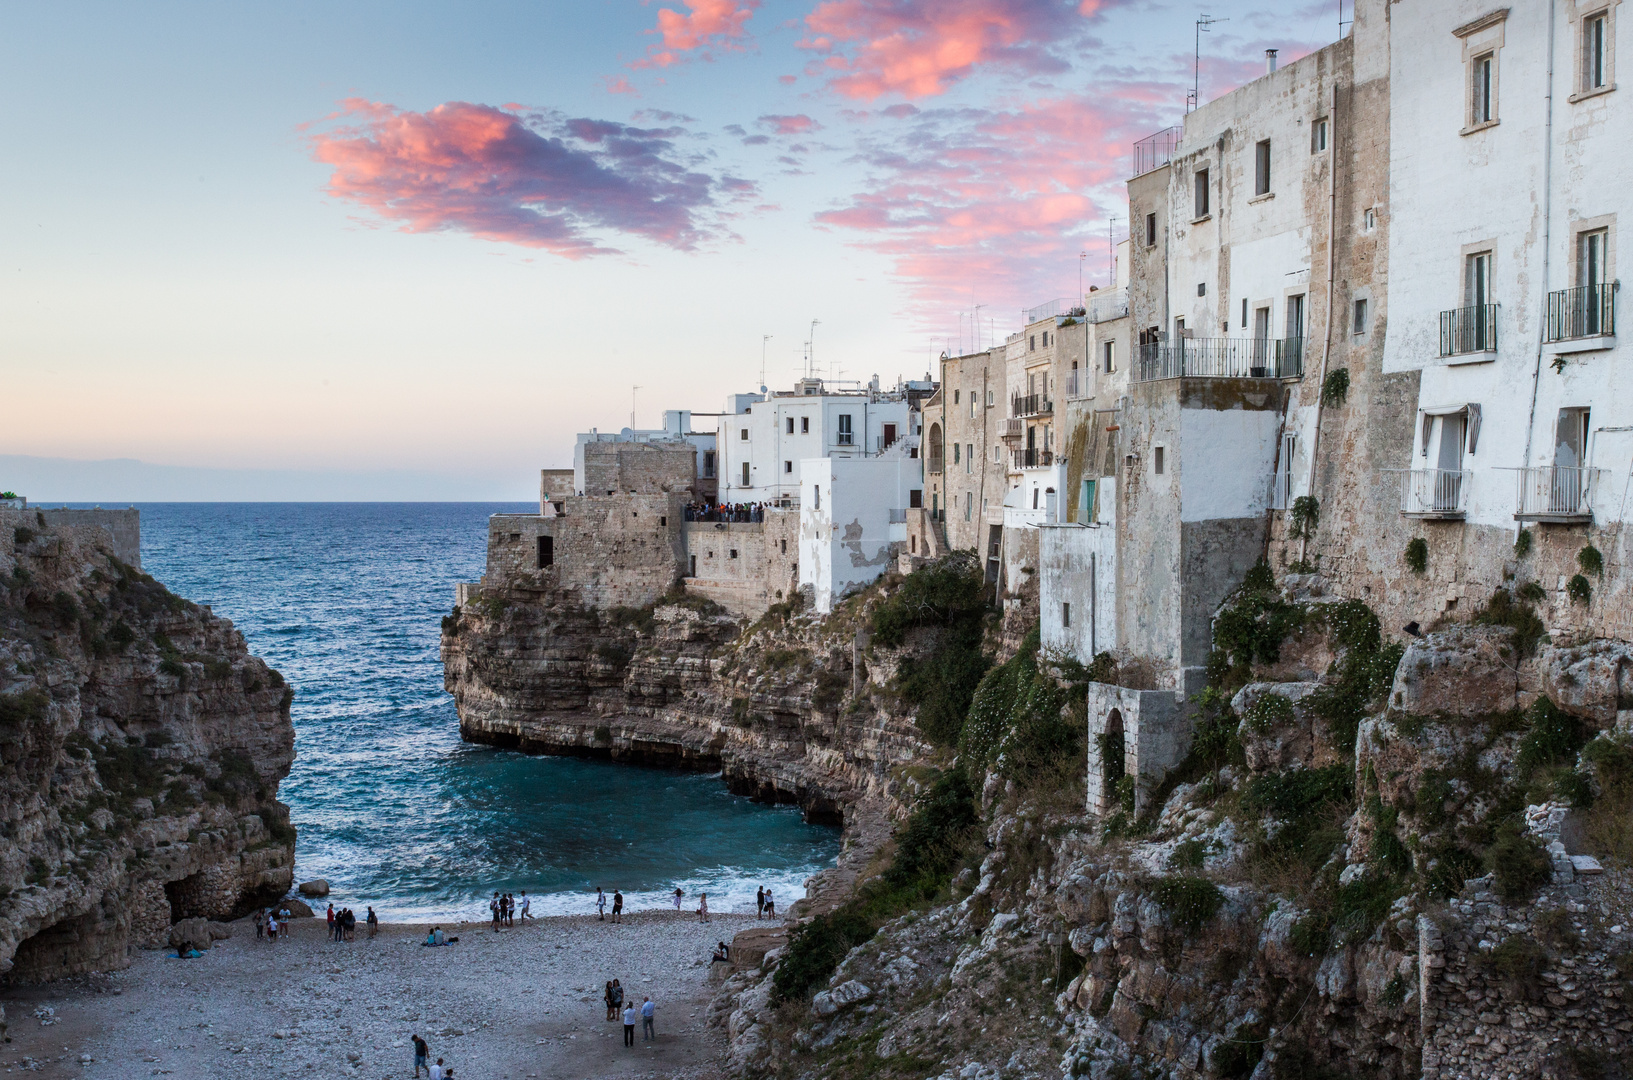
(610, 551)
(118, 532)
(745, 567)
(639, 468)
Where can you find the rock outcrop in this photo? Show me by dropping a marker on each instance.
(143, 748)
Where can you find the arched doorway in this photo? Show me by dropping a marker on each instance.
(1112, 748)
(936, 455)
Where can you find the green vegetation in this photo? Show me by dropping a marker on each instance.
(1335, 387)
(1189, 902)
(1501, 610)
(1304, 517)
(23, 709)
(1362, 675)
(1250, 629)
(1578, 589)
(1591, 561)
(939, 835)
(948, 595)
(1518, 863)
(1522, 543)
(1267, 711)
(1417, 555)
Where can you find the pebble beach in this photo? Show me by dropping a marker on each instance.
(521, 1004)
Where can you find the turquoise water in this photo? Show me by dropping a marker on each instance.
(391, 807)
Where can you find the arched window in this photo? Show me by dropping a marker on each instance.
(935, 448)
(1112, 748)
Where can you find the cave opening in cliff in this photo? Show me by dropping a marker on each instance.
(88, 942)
(187, 901)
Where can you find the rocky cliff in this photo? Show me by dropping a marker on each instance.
(1378, 858)
(143, 748)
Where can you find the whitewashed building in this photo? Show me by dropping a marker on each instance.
(853, 521)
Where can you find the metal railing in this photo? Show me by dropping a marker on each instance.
(1107, 304)
(898, 517)
(1031, 405)
(1556, 493)
(1586, 311)
(1155, 150)
(936, 463)
(1032, 458)
(1049, 309)
(1071, 383)
(843, 438)
(1468, 330)
(1221, 358)
(1432, 493)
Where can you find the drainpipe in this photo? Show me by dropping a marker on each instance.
(1326, 343)
(1547, 245)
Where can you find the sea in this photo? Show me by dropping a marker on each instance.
(390, 806)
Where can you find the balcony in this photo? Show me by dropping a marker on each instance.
(1155, 151)
(1011, 429)
(1106, 305)
(843, 439)
(1556, 494)
(1585, 312)
(1468, 330)
(1221, 358)
(1435, 494)
(1031, 405)
(1049, 309)
(1032, 458)
(936, 464)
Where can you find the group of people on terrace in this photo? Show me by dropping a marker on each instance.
(728, 512)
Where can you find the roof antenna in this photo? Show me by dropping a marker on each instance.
(763, 339)
(1203, 22)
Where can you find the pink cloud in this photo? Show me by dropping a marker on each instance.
(619, 85)
(538, 180)
(999, 201)
(919, 48)
(789, 125)
(707, 24)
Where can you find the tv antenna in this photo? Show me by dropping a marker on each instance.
(632, 392)
(763, 339)
(810, 350)
(1203, 23)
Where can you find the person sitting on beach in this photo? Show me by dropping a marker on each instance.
(722, 954)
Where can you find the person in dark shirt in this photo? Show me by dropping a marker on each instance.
(422, 1057)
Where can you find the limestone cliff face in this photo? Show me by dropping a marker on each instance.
(681, 685)
(143, 747)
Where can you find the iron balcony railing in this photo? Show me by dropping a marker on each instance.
(1050, 308)
(1031, 405)
(1071, 384)
(1586, 311)
(843, 438)
(1032, 458)
(936, 465)
(1468, 330)
(1435, 493)
(1107, 304)
(1155, 151)
(1221, 358)
(1556, 493)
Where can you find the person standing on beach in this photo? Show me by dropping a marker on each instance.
(647, 1008)
(330, 917)
(493, 907)
(271, 927)
(703, 907)
(678, 895)
(617, 999)
(770, 906)
(629, 1025)
(283, 923)
(601, 905)
(374, 923)
(422, 1057)
(617, 906)
(527, 905)
(607, 997)
(759, 902)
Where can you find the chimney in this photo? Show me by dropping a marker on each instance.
(1269, 61)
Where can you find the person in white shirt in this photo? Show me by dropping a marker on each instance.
(601, 903)
(437, 1071)
(527, 905)
(629, 1024)
(647, 1008)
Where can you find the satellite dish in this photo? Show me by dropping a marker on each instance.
(762, 389)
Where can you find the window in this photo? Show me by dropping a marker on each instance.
(989, 399)
(1369, 220)
(693, 567)
(663, 521)
(1046, 339)
(1261, 167)
(1591, 248)
(784, 544)
(1157, 456)
(972, 403)
(969, 457)
(1295, 316)
(1244, 313)
(957, 450)
(787, 467)
(790, 425)
(1201, 194)
(969, 504)
(1482, 103)
(845, 434)
(1595, 74)
(1202, 288)
(743, 434)
(1032, 343)
(816, 497)
(915, 499)
(1150, 230)
(547, 551)
(997, 455)
(734, 553)
(1108, 356)
(745, 474)
(708, 464)
(1358, 321)
(1066, 615)
(955, 396)
(1318, 136)
(805, 425)
(1477, 279)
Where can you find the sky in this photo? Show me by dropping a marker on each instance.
(408, 250)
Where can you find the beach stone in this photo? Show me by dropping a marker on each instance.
(297, 909)
(198, 933)
(315, 887)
